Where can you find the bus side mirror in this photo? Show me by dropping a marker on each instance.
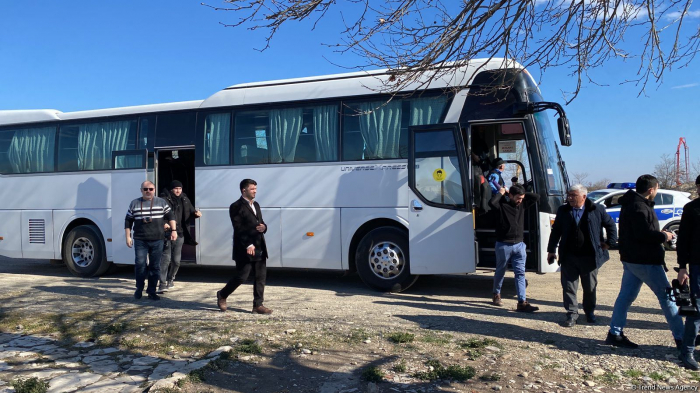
(564, 131)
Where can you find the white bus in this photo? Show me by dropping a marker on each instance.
(349, 179)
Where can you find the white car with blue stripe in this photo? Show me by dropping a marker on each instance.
(668, 206)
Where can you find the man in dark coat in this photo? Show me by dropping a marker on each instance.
(688, 249)
(249, 249)
(510, 247)
(642, 256)
(578, 233)
(184, 213)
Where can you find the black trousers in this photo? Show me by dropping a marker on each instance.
(575, 267)
(243, 270)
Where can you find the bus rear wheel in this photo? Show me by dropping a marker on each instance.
(84, 252)
(383, 260)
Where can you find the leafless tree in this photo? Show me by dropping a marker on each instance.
(579, 177)
(695, 171)
(598, 185)
(665, 171)
(415, 37)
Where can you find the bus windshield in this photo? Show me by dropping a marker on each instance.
(548, 150)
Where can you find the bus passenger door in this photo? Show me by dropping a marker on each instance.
(128, 172)
(441, 225)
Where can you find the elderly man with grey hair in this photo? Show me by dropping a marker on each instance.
(578, 234)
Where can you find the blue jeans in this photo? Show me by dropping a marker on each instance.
(692, 322)
(154, 250)
(516, 255)
(633, 277)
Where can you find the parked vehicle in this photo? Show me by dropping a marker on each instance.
(668, 206)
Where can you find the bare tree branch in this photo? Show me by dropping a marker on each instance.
(412, 37)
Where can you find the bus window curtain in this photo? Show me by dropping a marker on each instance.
(32, 150)
(96, 142)
(326, 132)
(427, 110)
(380, 126)
(217, 139)
(285, 127)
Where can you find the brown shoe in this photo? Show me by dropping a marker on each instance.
(497, 300)
(526, 307)
(261, 310)
(220, 301)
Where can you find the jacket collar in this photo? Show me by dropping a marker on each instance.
(588, 206)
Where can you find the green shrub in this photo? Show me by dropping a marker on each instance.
(490, 377)
(30, 385)
(372, 374)
(249, 346)
(450, 372)
(400, 367)
(401, 338)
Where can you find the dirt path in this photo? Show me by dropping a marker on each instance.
(328, 331)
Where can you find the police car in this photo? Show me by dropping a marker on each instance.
(668, 205)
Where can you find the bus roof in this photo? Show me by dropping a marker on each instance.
(297, 89)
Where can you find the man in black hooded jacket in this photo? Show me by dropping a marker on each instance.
(642, 256)
(688, 249)
(172, 249)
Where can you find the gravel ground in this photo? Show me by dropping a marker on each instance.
(330, 333)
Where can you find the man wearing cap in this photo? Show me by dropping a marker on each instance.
(184, 213)
(688, 253)
(495, 179)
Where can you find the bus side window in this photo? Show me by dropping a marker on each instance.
(250, 142)
(175, 129)
(68, 149)
(27, 150)
(89, 146)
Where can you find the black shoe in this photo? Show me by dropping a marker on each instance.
(620, 341)
(570, 320)
(688, 361)
(153, 296)
(590, 318)
(138, 294)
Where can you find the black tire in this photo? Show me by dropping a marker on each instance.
(672, 227)
(84, 252)
(391, 271)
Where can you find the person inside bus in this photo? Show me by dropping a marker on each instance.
(510, 247)
(480, 165)
(495, 178)
(249, 248)
(172, 252)
(147, 215)
(577, 233)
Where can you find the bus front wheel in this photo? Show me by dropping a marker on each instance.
(383, 261)
(84, 252)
